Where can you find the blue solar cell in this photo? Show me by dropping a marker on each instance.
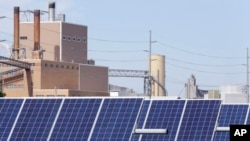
(199, 120)
(248, 118)
(141, 118)
(116, 120)
(9, 109)
(230, 114)
(76, 119)
(164, 114)
(36, 119)
(222, 136)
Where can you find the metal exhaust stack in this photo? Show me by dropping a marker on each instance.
(51, 10)
(36, 54)
(16, 33)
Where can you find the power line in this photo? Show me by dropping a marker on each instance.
(206, 65)
(115, 51)
(199, 54)
(208, 72)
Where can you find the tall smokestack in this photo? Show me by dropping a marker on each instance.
(37, 53)
(16, 33)
(36, 30)
(52, 6)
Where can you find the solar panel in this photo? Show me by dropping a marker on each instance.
(230, 114)
(141, 118)
(9, 109)
(248, 119)
(76, 119)
(36, 119)
(164, 114)
(116, 119)
(199, 120)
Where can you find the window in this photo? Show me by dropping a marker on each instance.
(23, 37)
(74, 38)
(69, 38)
(84, 40)
(78, 39)
(64, 37)
(20, 86)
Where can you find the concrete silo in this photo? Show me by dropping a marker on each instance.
(158, 73)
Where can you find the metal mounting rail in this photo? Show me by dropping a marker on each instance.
(151, 131)
(127, 73)
(14, 62)
(10, 71)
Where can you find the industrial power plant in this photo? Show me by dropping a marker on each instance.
(49, 58)
(52, 91)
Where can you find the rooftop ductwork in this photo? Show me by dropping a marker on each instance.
(52, 6)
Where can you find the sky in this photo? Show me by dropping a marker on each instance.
(207, 39)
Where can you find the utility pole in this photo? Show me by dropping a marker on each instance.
(150, 44)
(149, 69)
(247, 78)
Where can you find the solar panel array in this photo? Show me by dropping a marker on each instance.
(97, 119)
(199, 120)
(230, 114)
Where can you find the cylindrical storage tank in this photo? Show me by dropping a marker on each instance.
(158, 72)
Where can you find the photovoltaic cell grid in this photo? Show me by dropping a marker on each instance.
(248, 119)
(230, 114)
(76, 119)
(199, 120)
(116, 120)
(9, 109)
(164, 114)
(36, 119)
(141, 118)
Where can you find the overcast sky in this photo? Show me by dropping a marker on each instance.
(205, 38)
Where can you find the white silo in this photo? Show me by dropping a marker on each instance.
(158, 73)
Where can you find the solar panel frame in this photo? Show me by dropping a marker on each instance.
(164, 114)
(117, 118)
(142, 115)
(234, 114)
(35, 119)
(248, 117)
(199, 121)
(76, 119)
(9, 109)
(230, 114)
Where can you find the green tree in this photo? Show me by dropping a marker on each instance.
(2, 94)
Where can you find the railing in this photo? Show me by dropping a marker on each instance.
(14, 62)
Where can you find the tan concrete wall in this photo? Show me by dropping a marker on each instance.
(93, 78)
(52, 78)
(65, 93)
(54, 40)
(59, 75)
(50, 39)
(15, 87)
